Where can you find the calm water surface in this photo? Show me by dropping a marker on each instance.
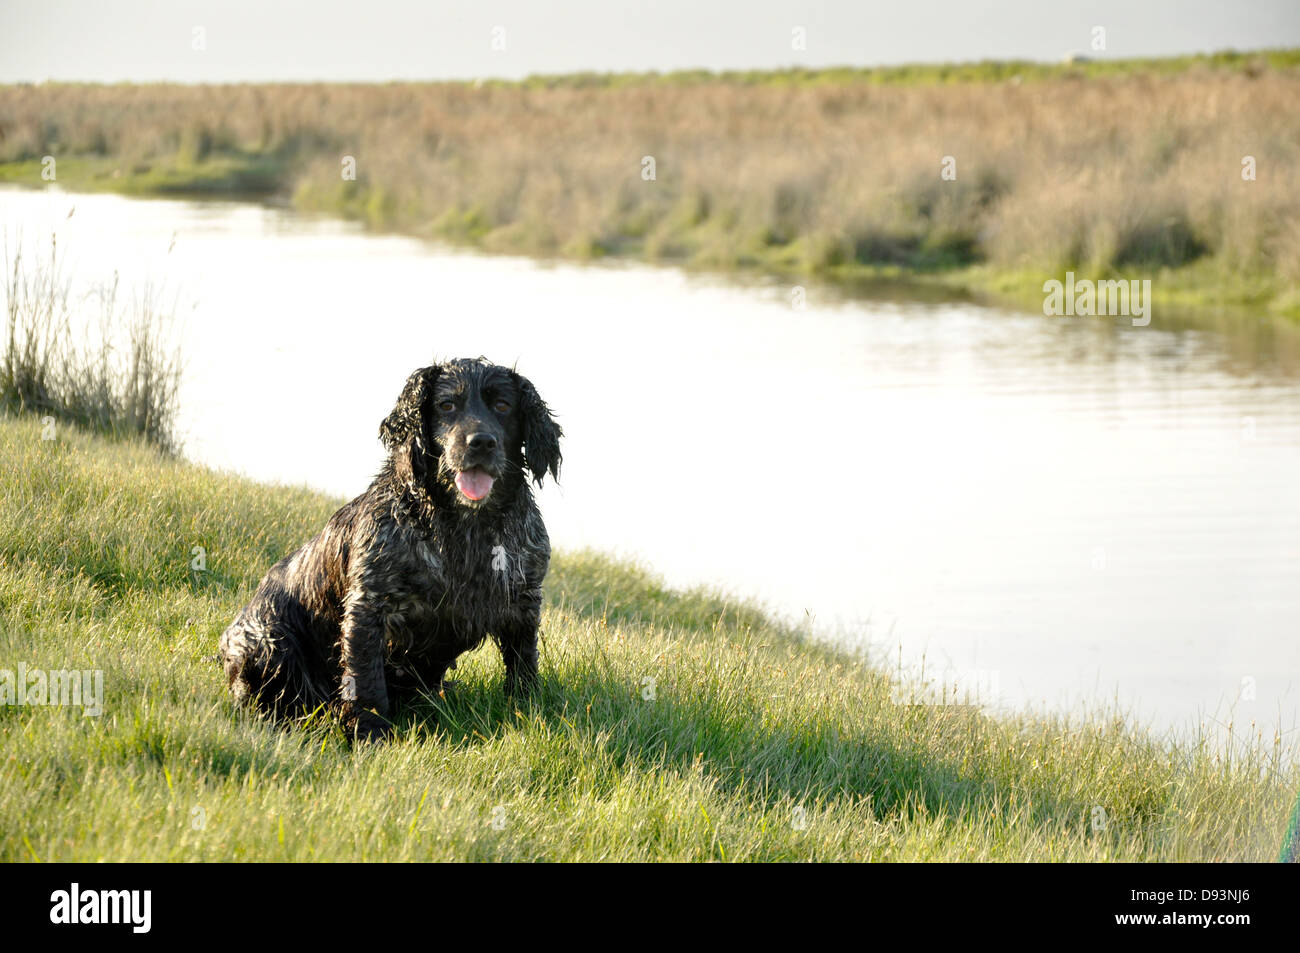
(1059, 513)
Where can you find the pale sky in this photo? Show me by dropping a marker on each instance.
(141, 40)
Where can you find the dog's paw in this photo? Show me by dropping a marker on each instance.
(369, 727)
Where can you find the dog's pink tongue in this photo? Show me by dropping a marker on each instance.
(474, 483)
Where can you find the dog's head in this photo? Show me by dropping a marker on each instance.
(467, 429)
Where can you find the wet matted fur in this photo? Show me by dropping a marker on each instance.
(445, 548)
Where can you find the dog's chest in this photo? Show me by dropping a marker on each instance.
(449, 586)
(482, 571)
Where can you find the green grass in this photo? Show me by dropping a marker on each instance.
(1189, 291)
(751, 730)
(234, 175)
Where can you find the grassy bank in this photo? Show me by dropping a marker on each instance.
(756, 746)
(1127, 169)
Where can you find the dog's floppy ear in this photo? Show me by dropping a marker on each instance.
(406, 421)
(541, 434)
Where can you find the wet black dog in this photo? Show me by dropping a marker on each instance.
(445, 548)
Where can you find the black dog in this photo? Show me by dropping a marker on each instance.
(445, 547)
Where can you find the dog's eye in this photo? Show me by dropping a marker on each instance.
(446, 406)
(502, 406)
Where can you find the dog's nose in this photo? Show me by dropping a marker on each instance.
(482, 442)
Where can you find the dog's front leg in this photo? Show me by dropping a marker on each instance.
(518, 642)
(364, 691)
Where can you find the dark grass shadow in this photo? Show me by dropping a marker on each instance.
(769, 764)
